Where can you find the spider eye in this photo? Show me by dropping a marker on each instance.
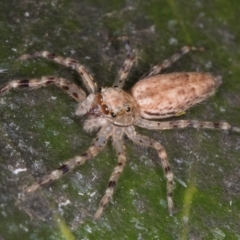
(99, 98)
(128, 109)
(105, 109)
(113, 114)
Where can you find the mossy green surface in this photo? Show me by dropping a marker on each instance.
(38, 129)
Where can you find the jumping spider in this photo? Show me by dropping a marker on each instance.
(114, 112)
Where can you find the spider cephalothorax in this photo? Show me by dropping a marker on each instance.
(119, 107)
(114, 112)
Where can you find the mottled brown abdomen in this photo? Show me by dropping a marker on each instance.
(166, 95)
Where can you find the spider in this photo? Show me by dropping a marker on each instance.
(114, 112)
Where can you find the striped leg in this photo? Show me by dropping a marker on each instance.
(127, 65)
(98, 145)
(144, 123)
(72, 89)
(168, 62)
(142, 140)
(120, 148)
(87, 78)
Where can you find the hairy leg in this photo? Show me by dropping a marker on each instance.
(175, 124)
(98, 145)
(87, 78)
(145, 141)
(168, 62)
(72, 89)
(127, 65)
(120, 148)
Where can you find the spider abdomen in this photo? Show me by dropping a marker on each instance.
(167, 95)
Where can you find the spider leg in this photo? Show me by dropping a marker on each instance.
(127, 65)
(168, 62)
(145, 141)
(144, 123)
(72, 89)
(98, 145)
(120, 148)
(87, 78)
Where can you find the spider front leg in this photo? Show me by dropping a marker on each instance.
(144, 123)
(98, 145)
(87, 78)
(127, 65)
(120, 149)
(72, 89)
(145, 141)
(168, 62)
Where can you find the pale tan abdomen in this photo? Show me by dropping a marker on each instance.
(166, 95)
